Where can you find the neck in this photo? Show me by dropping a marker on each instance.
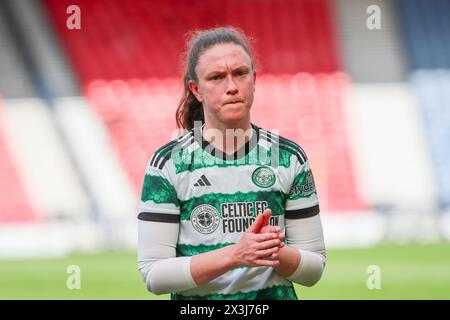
(225, 137)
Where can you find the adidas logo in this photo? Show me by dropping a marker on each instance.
(203, 182)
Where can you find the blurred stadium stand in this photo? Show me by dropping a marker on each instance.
(96, 102)
(122, 83)
(50, 179)
(426, 29)
(14, 202)
(107, 181)
(433, 90)
(126, 38)
(370, 56)
(48, 60)
(17, 84)
(428, 45)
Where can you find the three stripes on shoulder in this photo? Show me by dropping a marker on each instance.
(284, 144)
(163, 154)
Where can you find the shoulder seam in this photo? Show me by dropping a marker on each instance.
(164, 153)
(286, 144)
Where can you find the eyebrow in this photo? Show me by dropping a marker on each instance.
(215, 72)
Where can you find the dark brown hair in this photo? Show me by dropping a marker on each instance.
(189, 108)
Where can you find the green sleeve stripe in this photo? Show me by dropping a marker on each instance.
(303, 186)
(158, 190)
(298, 180)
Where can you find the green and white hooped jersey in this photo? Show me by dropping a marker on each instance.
(214, 197)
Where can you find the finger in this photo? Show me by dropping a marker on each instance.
(274, 256)
(267, 213)
(274, 229)
(268, 244)
(267, 263)
(267, 253)
(257, 224)
(260, 237)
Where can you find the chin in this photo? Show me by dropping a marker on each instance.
(234, 109)
(234, 117)
(234, 113)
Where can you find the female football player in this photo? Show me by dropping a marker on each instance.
(228, 210)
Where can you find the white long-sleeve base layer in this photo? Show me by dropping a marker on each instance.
(163, 272)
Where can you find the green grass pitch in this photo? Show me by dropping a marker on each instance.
(407, 272)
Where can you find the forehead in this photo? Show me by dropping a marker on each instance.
(222, 56)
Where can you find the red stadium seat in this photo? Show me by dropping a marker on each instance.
(123, 40)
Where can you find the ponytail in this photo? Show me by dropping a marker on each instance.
(189, 109)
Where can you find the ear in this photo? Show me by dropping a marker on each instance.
(193, 86)
(254, 80)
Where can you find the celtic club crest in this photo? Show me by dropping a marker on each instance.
(205, 218)
(263, 177)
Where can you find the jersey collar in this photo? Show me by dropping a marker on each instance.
(238, 154)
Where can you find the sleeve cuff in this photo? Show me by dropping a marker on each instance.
(309, 270)
(187, 272)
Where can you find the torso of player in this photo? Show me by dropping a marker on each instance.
(215, 197)
(221, 209)
(219, 200)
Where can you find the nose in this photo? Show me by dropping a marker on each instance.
(231, 85)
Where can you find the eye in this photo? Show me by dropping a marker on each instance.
(241, 73)
(216, 77)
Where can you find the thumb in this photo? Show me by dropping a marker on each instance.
(261, 221)
(267, 213)
(257, 224)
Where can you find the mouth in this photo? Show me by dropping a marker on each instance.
(234, 102)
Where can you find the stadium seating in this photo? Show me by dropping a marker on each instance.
(433, 90)
(136, 97)
(370, 55)
(47, 170)
(325, 80)
(426, 27)
(139, 39)
(392, 157)
(427, 37)
(15, 205)
(310, 107)
(140, 117)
